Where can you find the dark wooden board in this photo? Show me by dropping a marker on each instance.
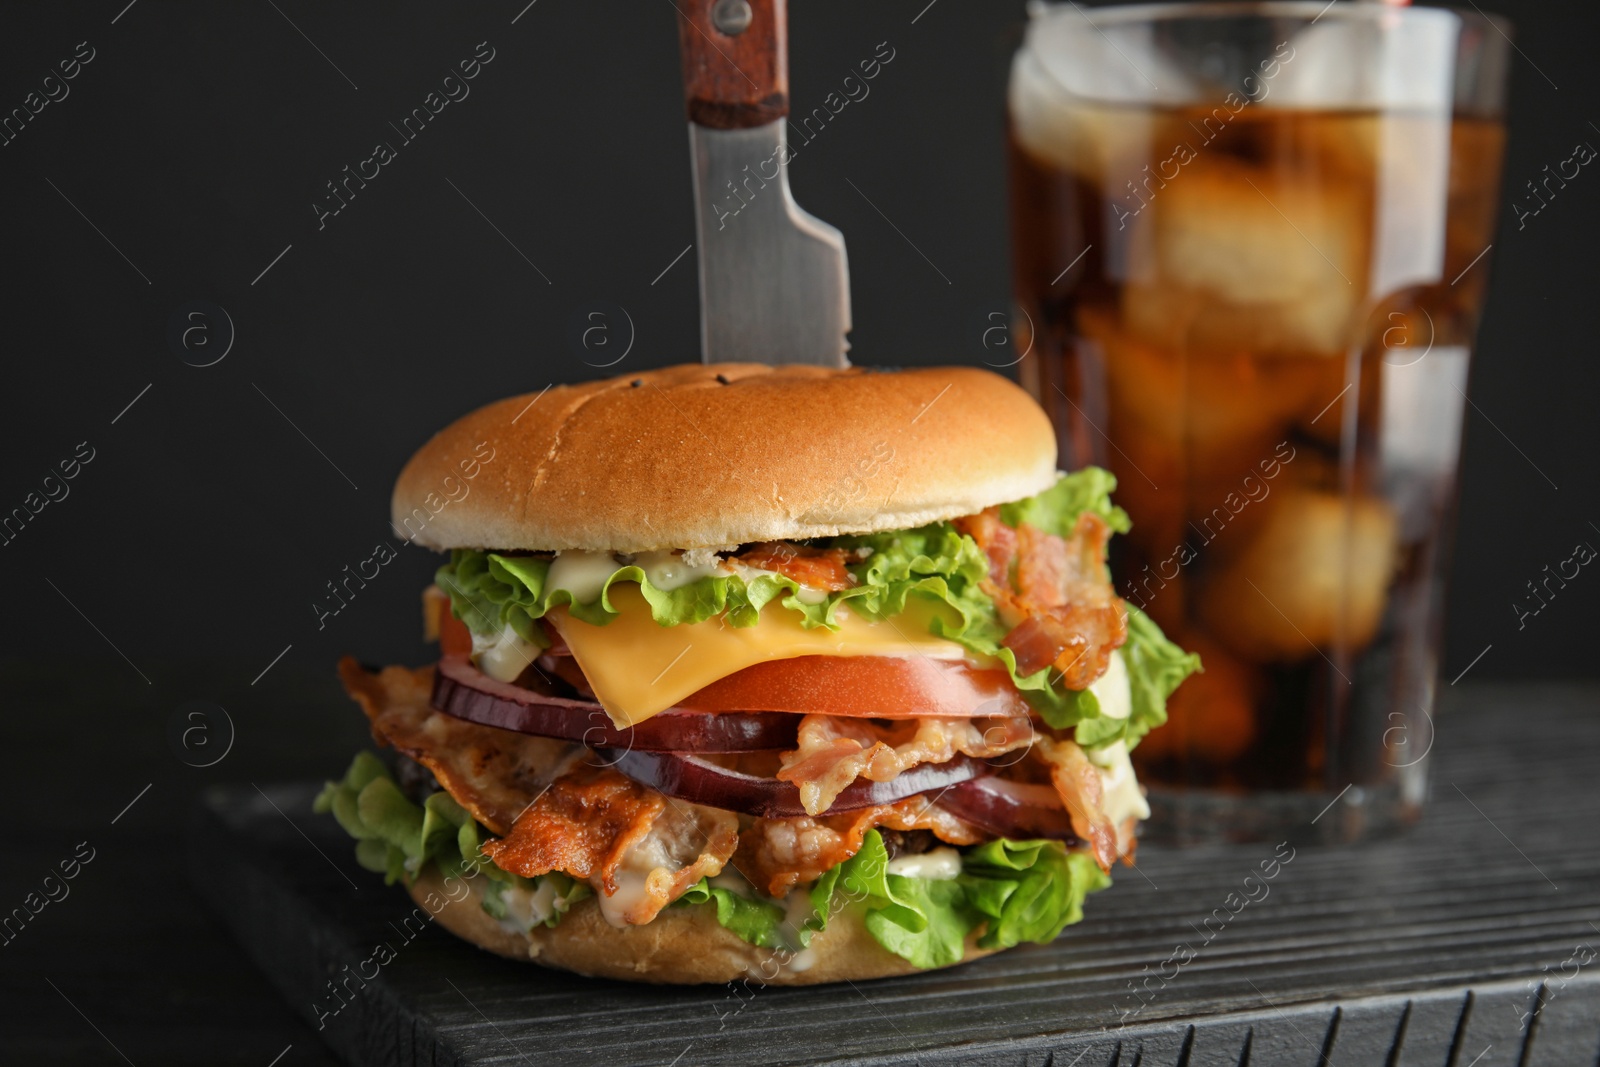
(1469, 942)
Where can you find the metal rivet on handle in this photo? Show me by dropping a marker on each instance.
(731, 17)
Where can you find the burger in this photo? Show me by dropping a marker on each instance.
(786, 673)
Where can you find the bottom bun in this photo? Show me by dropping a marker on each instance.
(681, 946)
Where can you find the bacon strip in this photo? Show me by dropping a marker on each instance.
(1079, 785)
(1037, 641)
(775, 855)
(494, 774)
(1054, 593)
(599, 826)
(550, 809)
(834, 751)
(582, 824)
(814, 567)
(998, 541)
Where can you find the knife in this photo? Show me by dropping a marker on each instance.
(774, 283)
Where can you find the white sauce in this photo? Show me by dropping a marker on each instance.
(630, 891)
(527, 908)
(1122, 795)
(797, 908)
(800, 961)
(669, 570)
(791, 959)
(938, 864)
(583, 574)
(633, 879)
(770, 963)
(1111, 689)
(797, 911)
(504, 655)
(733, 882)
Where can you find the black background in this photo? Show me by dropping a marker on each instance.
(189, 551)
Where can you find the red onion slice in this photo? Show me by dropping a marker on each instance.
(1011, 809)
(700, 781)
(461, 690)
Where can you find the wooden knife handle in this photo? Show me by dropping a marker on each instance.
(732, 81)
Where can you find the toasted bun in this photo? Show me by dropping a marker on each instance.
(700, 456)
(681, 946)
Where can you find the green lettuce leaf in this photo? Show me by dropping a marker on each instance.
(1027, 890)
(1099, 731)
(1056, 510)
(397, 837)
(488, 595)
(564, 891)
(1017, 890)
(1156, 666)
(757, 921)
(921, 920)
(489, 591)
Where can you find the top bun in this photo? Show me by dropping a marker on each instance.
(703, 456)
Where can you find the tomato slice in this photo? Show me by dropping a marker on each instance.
(880, 687)
(454, 637)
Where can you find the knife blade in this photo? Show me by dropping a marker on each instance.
(774, 279)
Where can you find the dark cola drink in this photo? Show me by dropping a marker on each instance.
(1251, 294)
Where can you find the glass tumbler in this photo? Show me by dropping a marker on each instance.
(1250, 250)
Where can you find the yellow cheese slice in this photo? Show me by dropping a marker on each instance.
(638, 667)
